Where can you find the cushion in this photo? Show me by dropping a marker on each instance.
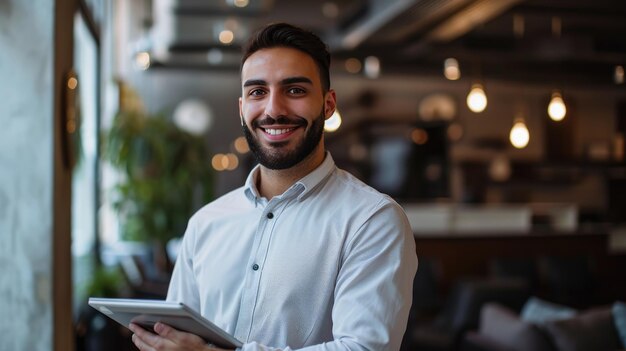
(503, 326)
(619, 319)
(591, 330)
(536, 310)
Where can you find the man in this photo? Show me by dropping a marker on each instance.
(303, 256)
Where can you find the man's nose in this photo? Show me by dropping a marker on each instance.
(276, 105)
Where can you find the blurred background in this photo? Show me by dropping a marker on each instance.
(498, 125)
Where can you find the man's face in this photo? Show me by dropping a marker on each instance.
(282, 106)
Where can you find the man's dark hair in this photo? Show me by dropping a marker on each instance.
(286, 35)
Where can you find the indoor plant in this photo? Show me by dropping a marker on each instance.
(166, 176)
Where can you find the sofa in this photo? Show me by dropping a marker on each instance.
(558, 329)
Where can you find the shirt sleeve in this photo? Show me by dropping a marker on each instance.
(183, 287)
(373, 290)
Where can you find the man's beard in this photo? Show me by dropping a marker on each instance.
(274, 157)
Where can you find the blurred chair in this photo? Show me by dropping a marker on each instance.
(426, 296)
(462, 310)
(569, 280)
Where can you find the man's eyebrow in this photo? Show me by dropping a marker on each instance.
(286, 81)
(293, 80)
(254, 82)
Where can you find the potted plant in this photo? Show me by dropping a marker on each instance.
(166, 176)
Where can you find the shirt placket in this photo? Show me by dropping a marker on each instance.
(254, 270)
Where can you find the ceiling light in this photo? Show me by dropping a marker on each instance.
(619, 75)
(372, 67)
(241, 145)
(353, 65)
(240, 3)
(437, 106)
(333, 123)
(226, 36)
(419, 136)
(232, 162)
(193, 116)
(519, 136)
(451, 69)
(219, 162)
(556, 108)
(476, 99)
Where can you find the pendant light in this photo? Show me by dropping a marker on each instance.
(476, 99)
(519, 136)
(556, 108)
(451, 69)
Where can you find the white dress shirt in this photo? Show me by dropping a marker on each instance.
(327, 265)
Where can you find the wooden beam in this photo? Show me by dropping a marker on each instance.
(63, 328)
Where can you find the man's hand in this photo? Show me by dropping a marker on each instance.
(168, 339)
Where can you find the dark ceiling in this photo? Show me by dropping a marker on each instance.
(556, 41)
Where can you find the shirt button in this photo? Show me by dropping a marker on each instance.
(270, 215)
(255, 267)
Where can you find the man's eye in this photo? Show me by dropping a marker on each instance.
(256, 92)
(296, 91)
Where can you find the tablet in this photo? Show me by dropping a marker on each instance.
(147, 313)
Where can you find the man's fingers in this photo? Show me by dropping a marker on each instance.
(178, 337)
(167, 338)
(147, 341)
(141, 345)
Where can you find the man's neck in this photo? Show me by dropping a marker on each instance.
(273, 182)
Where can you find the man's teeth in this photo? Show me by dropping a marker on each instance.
(277, 131)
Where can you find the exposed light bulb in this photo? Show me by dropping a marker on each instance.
(419, 136)
(476, 99)
(193, 116)
(333, 123)
(225, 162)
(232, 162)
(226, 36)
(241, 145)
(519, 136)
(241, 3)
(451, 69)
(353, 65)
(217, 162)
(372, 67)
(556, 108)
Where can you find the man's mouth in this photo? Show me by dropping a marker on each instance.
(276, 131)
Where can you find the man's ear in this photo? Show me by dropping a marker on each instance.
(330, 103)
(240, 111)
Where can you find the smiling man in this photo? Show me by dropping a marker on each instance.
(304, 255)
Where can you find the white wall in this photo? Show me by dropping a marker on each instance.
(26, 174)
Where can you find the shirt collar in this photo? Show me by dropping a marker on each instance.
(301, 188)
